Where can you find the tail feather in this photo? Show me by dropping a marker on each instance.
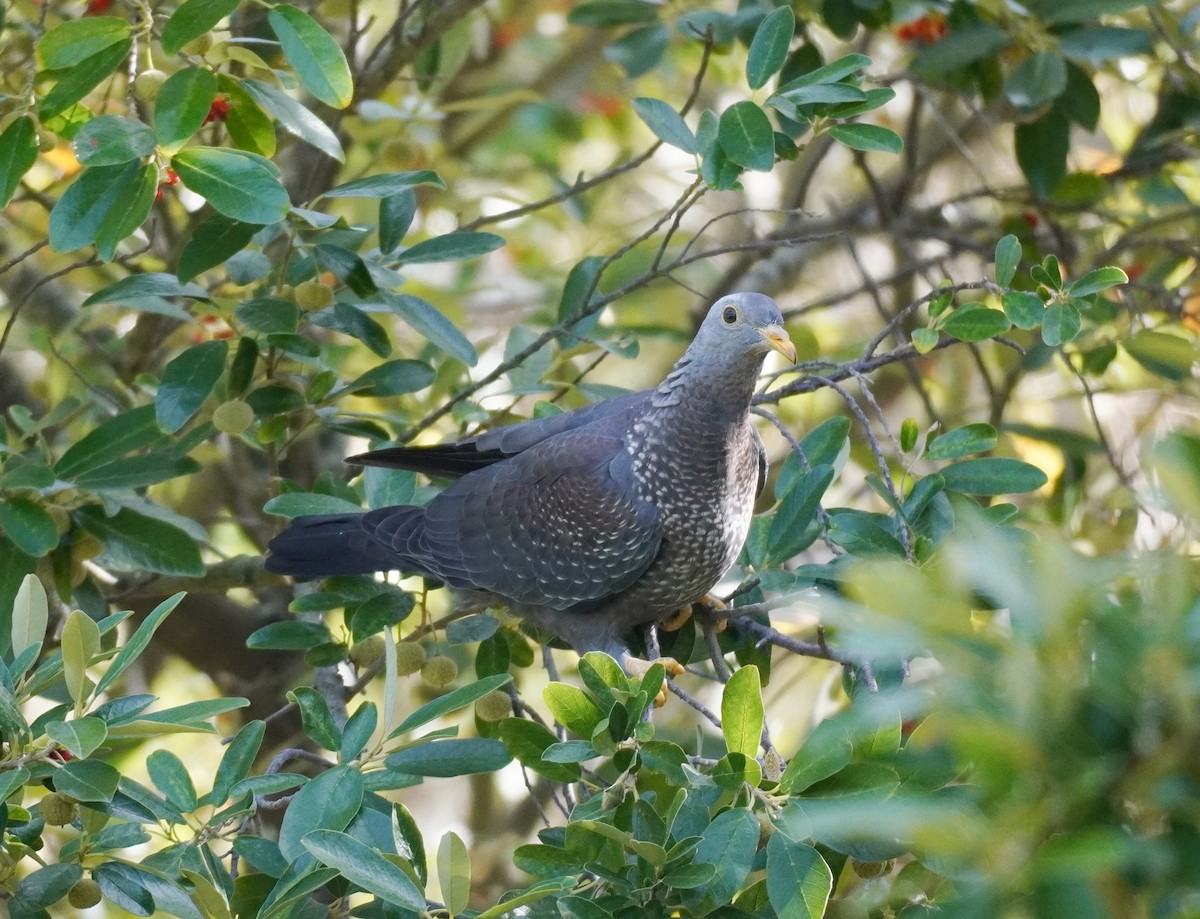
(325, 545)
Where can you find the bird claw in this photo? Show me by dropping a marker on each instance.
(637, 668)
(679, 618)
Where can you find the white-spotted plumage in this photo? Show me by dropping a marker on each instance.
(591, 522)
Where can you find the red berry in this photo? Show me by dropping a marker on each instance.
(218, 111)
(97, 7)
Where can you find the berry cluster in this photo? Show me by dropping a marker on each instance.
(925, 31)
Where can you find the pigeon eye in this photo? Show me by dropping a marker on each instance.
(729, 315)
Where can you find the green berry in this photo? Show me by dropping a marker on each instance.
(233, 417)
(85, 894)
(313, 295)
(868, 870)
(58, 810)
(439, 671)
(495, 706)
(368, 651)
(410, 657)
(147, 84)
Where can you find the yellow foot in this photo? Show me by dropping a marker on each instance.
(637, 668)
(679, 618)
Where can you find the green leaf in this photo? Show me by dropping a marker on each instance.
(573, 708)
(973, 42)
(1048, 273)
(170, 776)
(187, 381)
(328, 802)
(1008, 257)
(789, 532)
(925, 340)
(44, 887)
(347, 266)
(82, 78)
(296, 119)
(450, 702)
(798, 880)
(612, 13)
(69, 42)
(18, 152)
(109, 140)
(138, 641)
(733, 770)
(971, 438)
(447, 758)
(237, 760)
(301, 503)
(450, 248)
(354, 322)
(974, 322)
(1169, 356)
(119, 435)
(1041, 78)
(80, 645)
(829, 73)
(358, 730)
(742, 711)
(314, 712)
(1060, 323)
(148, 284)
(990, 476)
(1098, 44)
(1061, 11)
(182, 105)
(770, 46)
(385, 185)
(82, 736)
(87, 780)
(426, 319)
(454, 873)
(193, 19)
(96, 203)
(825, 752)
(1041, 148)
(289, 635)
(867, 137)
(212, 243)
(728, 843)
(1023, 309)
(862, 534)
(1094, 282)
(241, 185)
(394, 378)
(396, 213)
(28, 525)
(746, 136)
(249, 127)
(364, 867)
(30, 614)
(666, 123)
(527, 741)
(318, 59)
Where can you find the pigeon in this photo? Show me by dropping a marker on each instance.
(589, 523)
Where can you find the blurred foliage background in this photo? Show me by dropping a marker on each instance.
(241, 241)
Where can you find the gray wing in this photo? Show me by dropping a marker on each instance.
(467, 455)
(559, 526)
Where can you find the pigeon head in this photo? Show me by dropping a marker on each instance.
(744, 324)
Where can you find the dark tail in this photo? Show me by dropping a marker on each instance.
(321, 546)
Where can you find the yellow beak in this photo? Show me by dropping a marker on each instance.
(777, 340)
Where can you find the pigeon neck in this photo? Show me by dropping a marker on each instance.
(720, 397)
